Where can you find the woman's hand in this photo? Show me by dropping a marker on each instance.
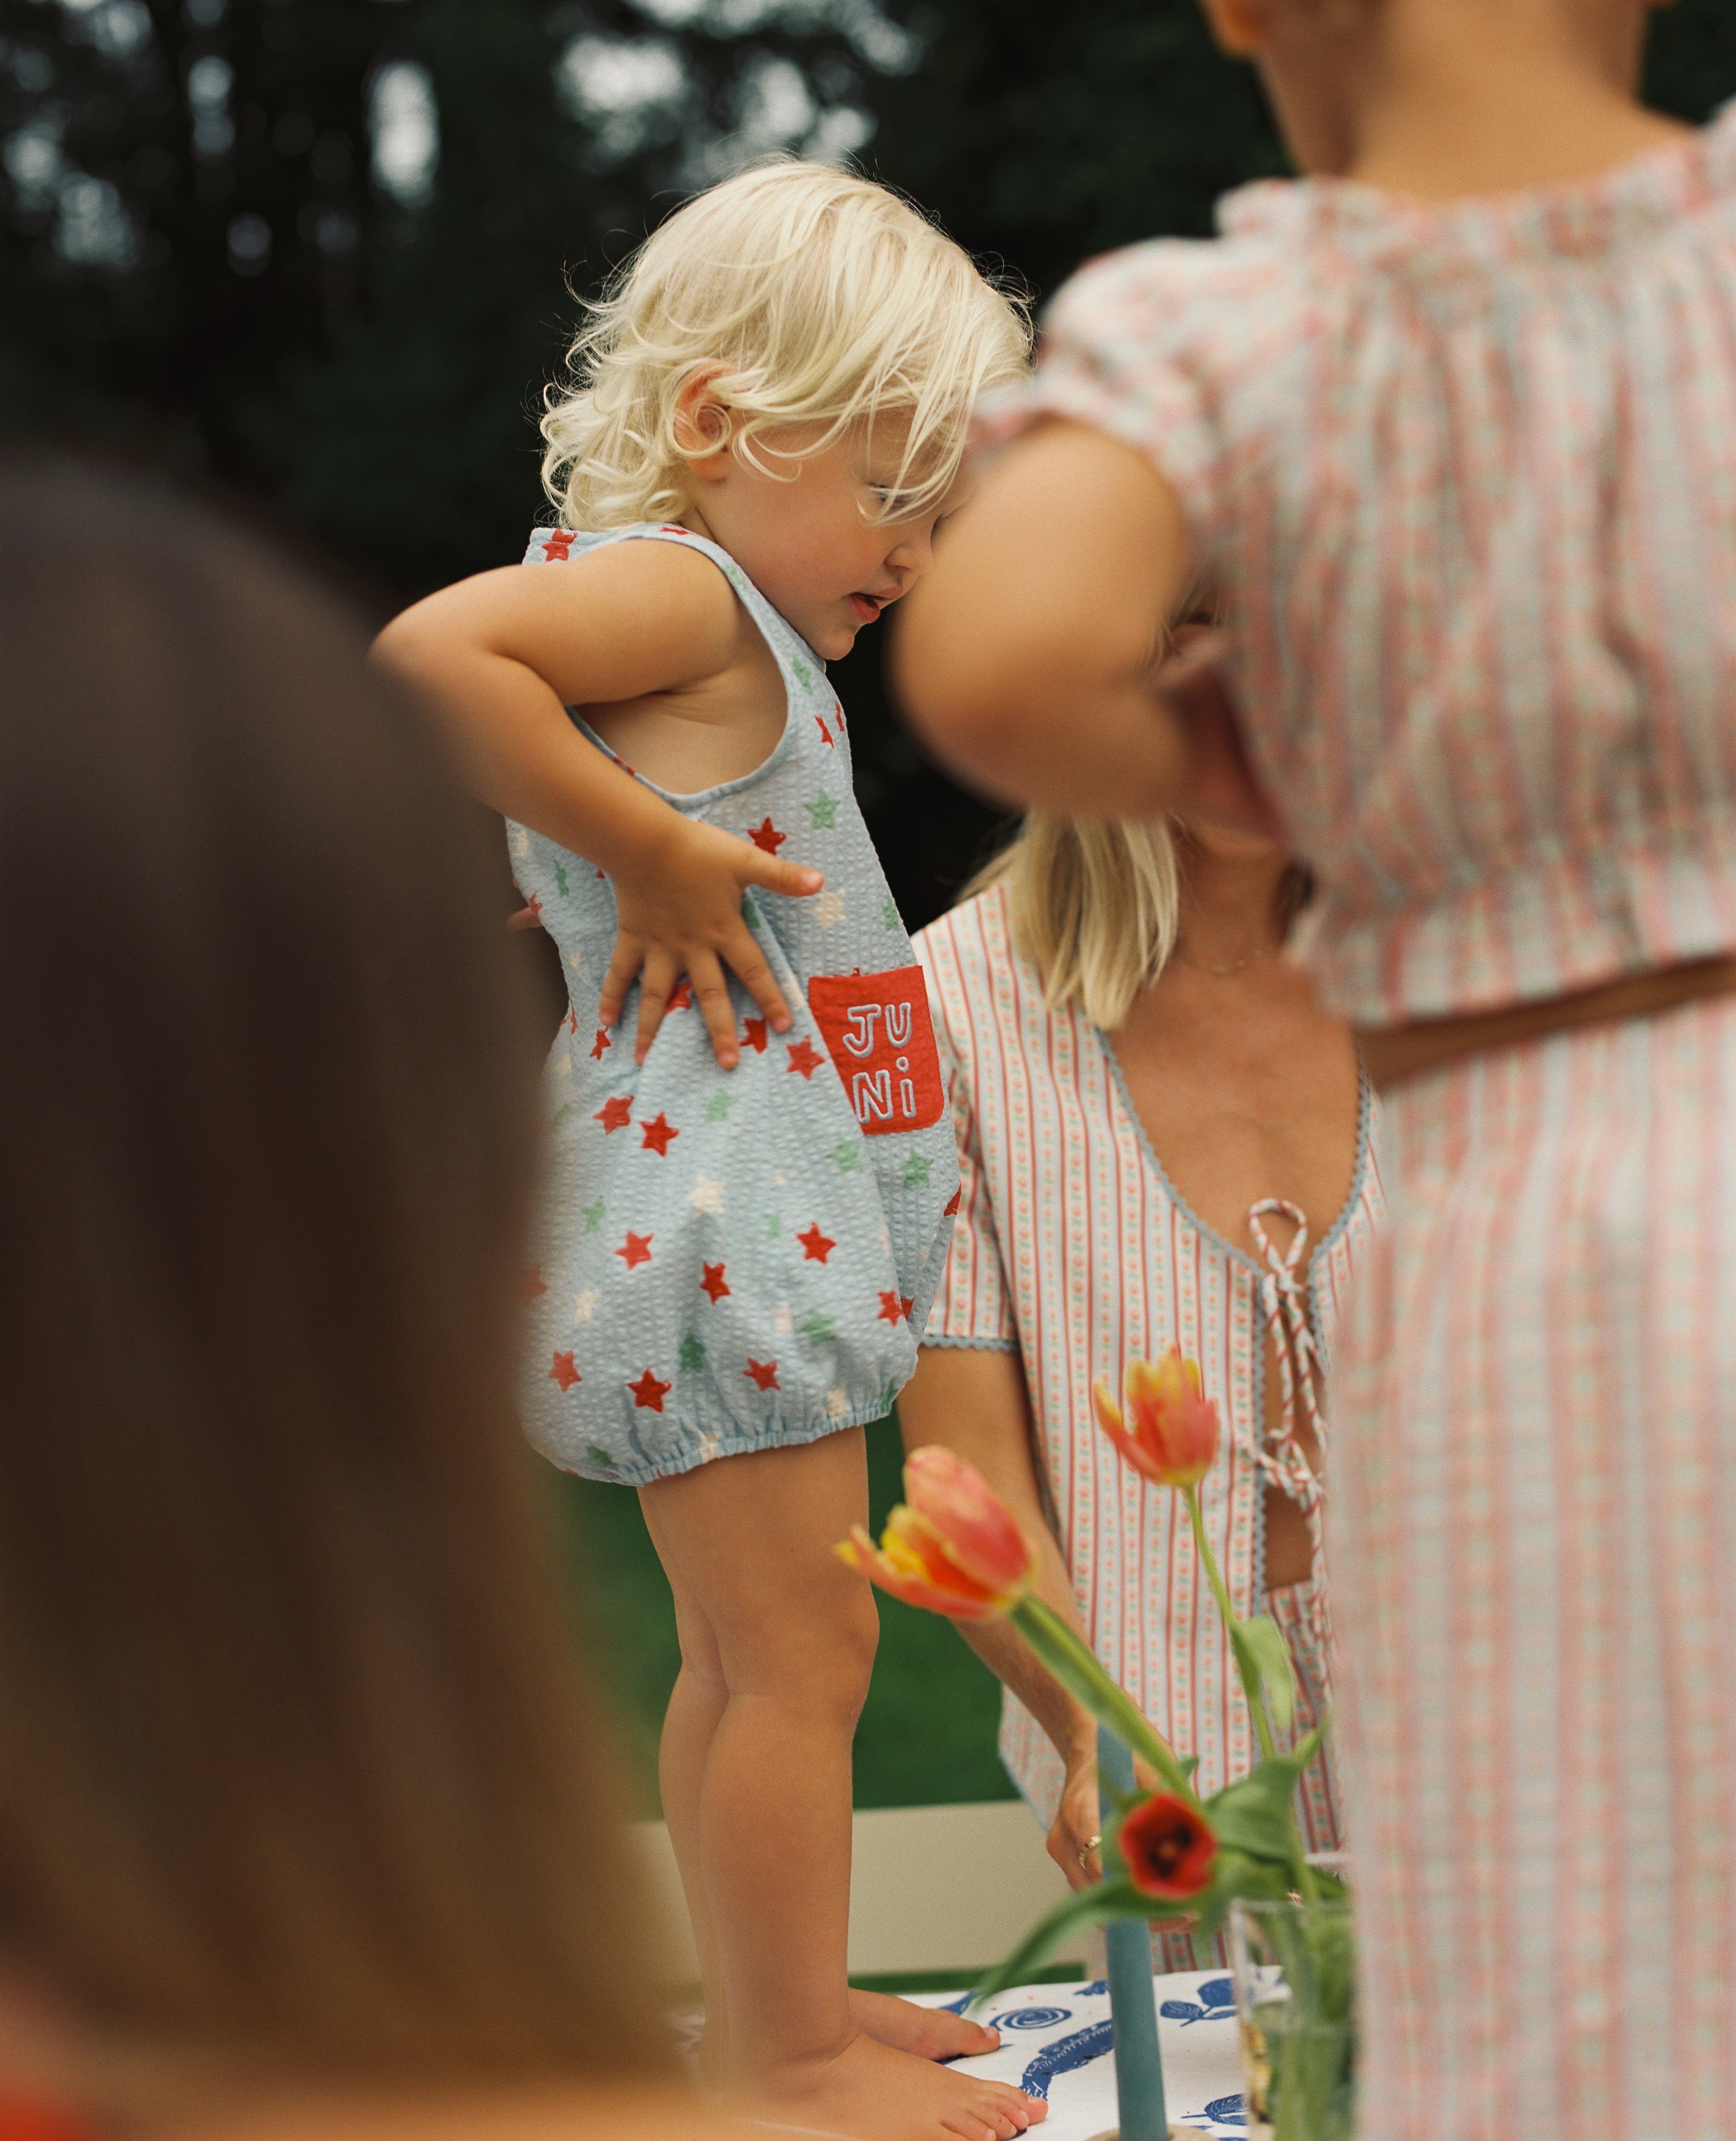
(1076, 1836)
(679, 912)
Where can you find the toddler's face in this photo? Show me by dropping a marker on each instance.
(804, 535)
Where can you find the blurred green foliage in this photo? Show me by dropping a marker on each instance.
(208, 265)
(224, 255)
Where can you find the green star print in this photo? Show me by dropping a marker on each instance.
(848, 1153)
(718, 1106)
(593, 1216)
(692, 1354)
(824, 811)
(817, 1328)
(560, 878)
(889, 915)
(915, 1169)
(750, 912)
(773, 1228)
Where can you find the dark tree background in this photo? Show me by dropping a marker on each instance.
(316, 254)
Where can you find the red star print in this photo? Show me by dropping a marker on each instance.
(533, 1284)
(659, 1136)
(615, 1114)
(825, 732)
(600, 1044)
(894, 1307)
(563, 1372)
(764, 1373)
(681, 997)
(805, 1057)
(753, 1033)
(573, 1021)
(637, 1249)
(766, 835)
(648, 1393)
(713, 1282)
(958, 1199)
(816, 1248)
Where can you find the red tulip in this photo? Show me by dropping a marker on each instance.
(1168, 1846)
(1171, 1433)
(956, 1549)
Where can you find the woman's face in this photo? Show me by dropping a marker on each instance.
(1226, 843)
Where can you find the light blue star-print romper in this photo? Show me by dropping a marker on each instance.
(728, 1261)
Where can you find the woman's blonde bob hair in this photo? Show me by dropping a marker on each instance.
(1096, 905)
(821, 299)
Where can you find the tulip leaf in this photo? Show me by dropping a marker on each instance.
(1253, 1815)
(1234, 1873)
(1095, 1905)
(1260, 1646)
(1070, 1658)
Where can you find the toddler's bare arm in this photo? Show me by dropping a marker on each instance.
(502, 655)
(1026, 657)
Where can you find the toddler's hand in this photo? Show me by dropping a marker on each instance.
(679, 913)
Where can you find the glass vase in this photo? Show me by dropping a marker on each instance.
(1294, 1968)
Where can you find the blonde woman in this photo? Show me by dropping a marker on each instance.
(1163, 1141)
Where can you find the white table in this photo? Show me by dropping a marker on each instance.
(1055, 2043)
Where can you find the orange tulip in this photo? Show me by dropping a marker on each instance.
(955, 1549)
(1171, 1433)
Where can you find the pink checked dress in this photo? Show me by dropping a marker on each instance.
(1072, 1247)
(1466, 477)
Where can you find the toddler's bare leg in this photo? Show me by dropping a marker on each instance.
(750, 1539)
(695, 1706)
(696, 1703)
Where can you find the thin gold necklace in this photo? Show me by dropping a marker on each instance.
(1237, 966)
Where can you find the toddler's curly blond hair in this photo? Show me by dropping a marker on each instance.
(825, 299)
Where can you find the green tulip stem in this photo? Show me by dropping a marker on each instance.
(1249, 1670)
(1301, 1872)
(1067, 1655)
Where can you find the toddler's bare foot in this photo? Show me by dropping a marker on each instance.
(929, 2032)
(872, 2093)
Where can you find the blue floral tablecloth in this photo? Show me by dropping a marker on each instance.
(1056, 2044)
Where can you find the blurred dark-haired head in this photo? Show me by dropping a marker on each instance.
(293, 1766)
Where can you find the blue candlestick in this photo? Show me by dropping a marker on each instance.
(1133, 1998)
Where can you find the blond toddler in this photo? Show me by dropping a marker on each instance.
(746, 1209)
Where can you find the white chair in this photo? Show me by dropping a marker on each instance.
(940, 1889)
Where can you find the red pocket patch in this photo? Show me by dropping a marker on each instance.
(878, 1033)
